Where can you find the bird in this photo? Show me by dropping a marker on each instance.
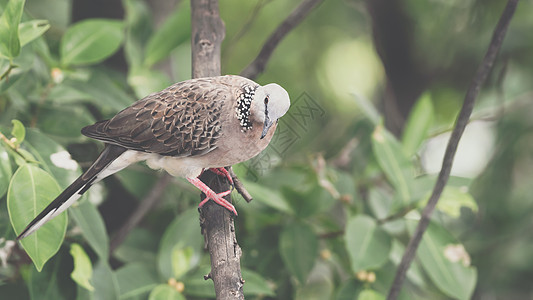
(191, 126)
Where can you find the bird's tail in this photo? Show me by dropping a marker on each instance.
(74, 191)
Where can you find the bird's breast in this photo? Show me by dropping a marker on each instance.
(237, 145)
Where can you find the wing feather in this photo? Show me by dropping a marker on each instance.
(182, 120)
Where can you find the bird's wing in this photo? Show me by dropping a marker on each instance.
(182, 120)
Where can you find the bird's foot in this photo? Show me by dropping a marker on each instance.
(223, 172)
(218, 198)
(210, 194)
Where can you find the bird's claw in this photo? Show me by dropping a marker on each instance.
(223, 172)
(218, 198)
(210, 194)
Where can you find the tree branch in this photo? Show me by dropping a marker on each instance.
(240, 187)
(462, 121)
(258, 64)
(217, 223)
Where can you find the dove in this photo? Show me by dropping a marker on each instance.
(191, 126)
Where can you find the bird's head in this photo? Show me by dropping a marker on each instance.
(270, 102)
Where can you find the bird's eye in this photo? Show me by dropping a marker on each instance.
(266, 100)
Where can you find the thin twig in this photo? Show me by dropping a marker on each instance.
(245, 28)
(258, 64)
(144, 207)
(12, 146)
(6, 73)
(10, 143)
(239, 186)
(397, 215)
(343, 159)
(331, 235)
(320, 170)
(462, 121)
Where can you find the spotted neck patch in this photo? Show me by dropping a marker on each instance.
(243, 107)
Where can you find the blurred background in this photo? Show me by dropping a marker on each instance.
(375, 89)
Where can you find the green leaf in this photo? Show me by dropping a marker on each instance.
(367, 244)
(9, 33)
(136, 279)
(146, 81)
(368, 294)
(307, 202)
(319, 285)
(30, 191)
(54, 158)
(139, 246)
(90, 41)
(92, 227)
(269, 197)
(5, 171)
(64, 121)
(24, 158)
(174, 31)
(137, 181)
(181, 233)
(83, 294)
(446, 262)
(18, 132)
(43, 285)
(349, 290)
(315, 291)
(419, 122)
(7, 68)
(105, 282)
(414, 274)
(397, 168)
(165, 292)
(66, 94)
(102, 89)
(83, 269)
(197, 286)
(453, 198)
(298, 246)
(29, 31)
(256, 284)
(182, 260)
(138, 30)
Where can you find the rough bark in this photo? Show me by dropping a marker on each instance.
(217, 223)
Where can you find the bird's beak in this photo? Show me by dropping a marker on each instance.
(266, 126)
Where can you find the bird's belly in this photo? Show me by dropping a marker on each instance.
(175, 166)
(230, 150)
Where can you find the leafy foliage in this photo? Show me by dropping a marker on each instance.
(336, 195)
(29, 192)
(90, 41)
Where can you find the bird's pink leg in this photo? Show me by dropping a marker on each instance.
(222, 172)
(212, 195)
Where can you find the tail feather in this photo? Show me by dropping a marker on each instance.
(74, 191)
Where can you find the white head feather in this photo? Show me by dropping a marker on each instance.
(270, 103)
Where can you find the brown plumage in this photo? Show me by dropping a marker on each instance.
(182, 120)
(188, 127)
